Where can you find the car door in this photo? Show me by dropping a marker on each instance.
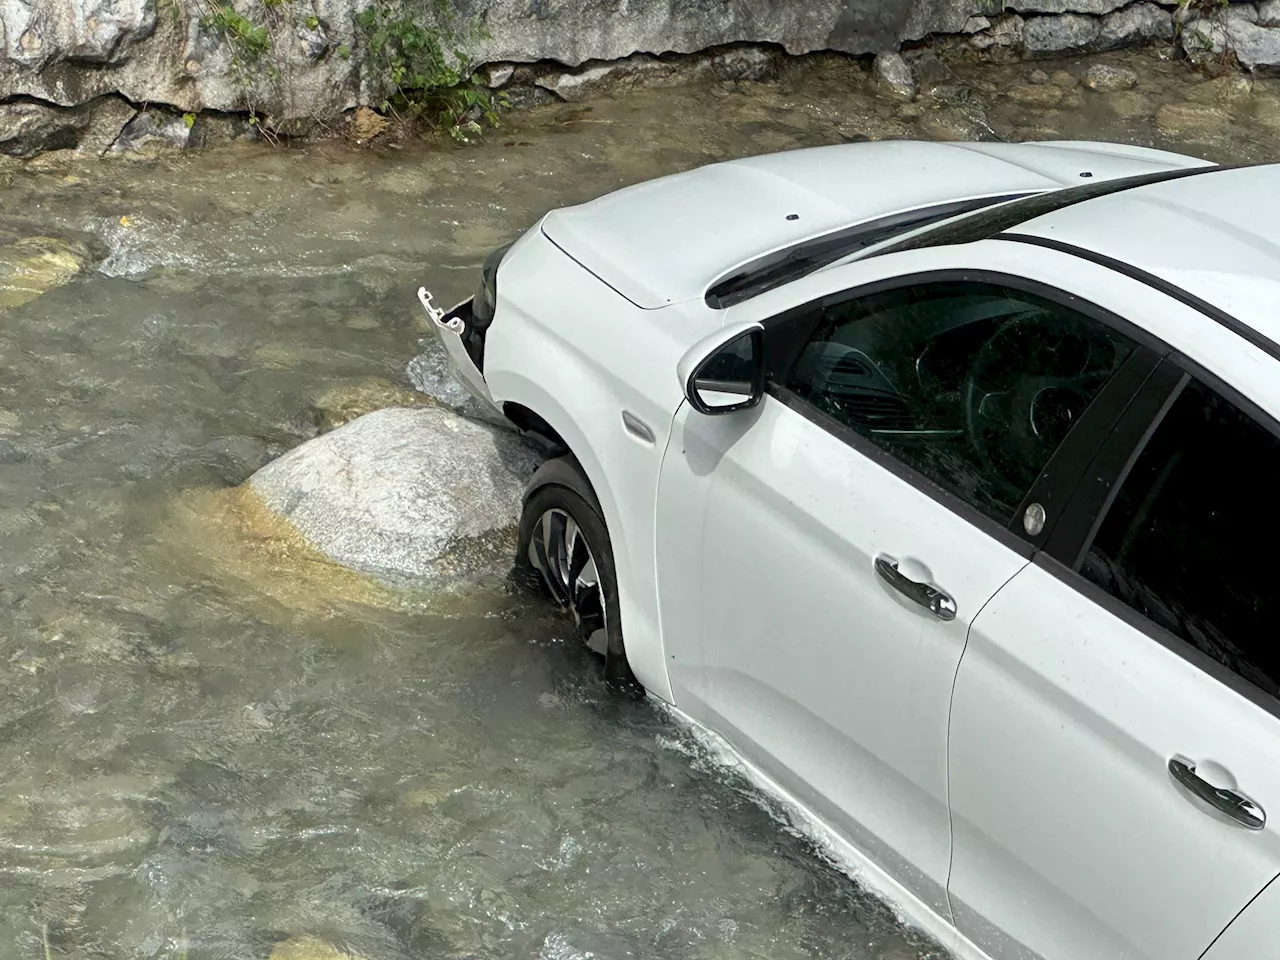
(821, 557)
(1115, 732)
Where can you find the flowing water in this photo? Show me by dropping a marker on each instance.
(212, 746)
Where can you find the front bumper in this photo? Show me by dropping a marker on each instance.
(450, 326)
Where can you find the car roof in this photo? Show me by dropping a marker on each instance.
(1215, 236)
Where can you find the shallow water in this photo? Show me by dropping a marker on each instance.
(209, 742)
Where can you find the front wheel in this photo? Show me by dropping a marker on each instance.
(564, 547)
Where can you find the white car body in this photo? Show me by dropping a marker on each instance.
(1006, 771)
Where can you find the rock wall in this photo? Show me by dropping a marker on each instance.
(78, 73)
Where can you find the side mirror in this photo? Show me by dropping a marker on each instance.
(725, 371)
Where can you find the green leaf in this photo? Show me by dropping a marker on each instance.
(189, 119)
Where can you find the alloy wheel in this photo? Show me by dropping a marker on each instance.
(559, 551)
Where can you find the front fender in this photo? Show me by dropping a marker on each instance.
(628, 518)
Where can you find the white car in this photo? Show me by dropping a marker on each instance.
(938, 479)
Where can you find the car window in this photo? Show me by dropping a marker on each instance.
(974, 385)
(1186, 539)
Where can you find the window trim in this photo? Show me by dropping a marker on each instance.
(1092, 498)
(1067, 556)
(1098, 420)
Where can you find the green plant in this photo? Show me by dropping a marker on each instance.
(248, 40)
(173, 7)
(344, 52)
(416, 59)
(312, 22)
(189, 119)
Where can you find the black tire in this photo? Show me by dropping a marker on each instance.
(564, 550)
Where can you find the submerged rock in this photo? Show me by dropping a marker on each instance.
(1191, 120)
(308, 948)
(33, 265)
(404, 496)
(339, 405)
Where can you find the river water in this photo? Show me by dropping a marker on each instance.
(213, 747)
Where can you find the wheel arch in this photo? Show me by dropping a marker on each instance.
(537, 411)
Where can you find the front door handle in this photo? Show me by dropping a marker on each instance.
(1234, 804)
(926, 594)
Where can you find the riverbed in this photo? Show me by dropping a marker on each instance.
(215, 747)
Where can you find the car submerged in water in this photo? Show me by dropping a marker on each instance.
(937, 480)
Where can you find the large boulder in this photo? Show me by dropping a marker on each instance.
(404, 496)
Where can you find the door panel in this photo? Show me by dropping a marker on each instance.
(785, 639)
(1255, 933)
(1071, 840)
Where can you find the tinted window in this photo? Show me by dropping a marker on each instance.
(971, 384)
(1187, 542)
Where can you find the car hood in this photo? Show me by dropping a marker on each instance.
(667, 240)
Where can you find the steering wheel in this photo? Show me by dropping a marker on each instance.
(1028, 384)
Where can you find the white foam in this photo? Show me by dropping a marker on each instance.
(715, 753)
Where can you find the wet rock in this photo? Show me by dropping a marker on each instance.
(1035, 95)
(1136, 23)
(1037, 76)
(1128, 104)
(1106, 78)
(340, 405)
(603, 76)
(28, 129)
(930, 72)
(153, 131)
(953, 94)
(893, 75)
(526, 96)
(1222, 91)
(746, 63)
(1266, 112)
(308, 948)
(1065, 79)
(34, 265)
(947, 125)
(212, 128)
(1191, 120)
(400, 495)
(1006, 31)
(1068, 33)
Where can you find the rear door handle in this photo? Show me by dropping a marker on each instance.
(926, 594)
(1230, 802)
